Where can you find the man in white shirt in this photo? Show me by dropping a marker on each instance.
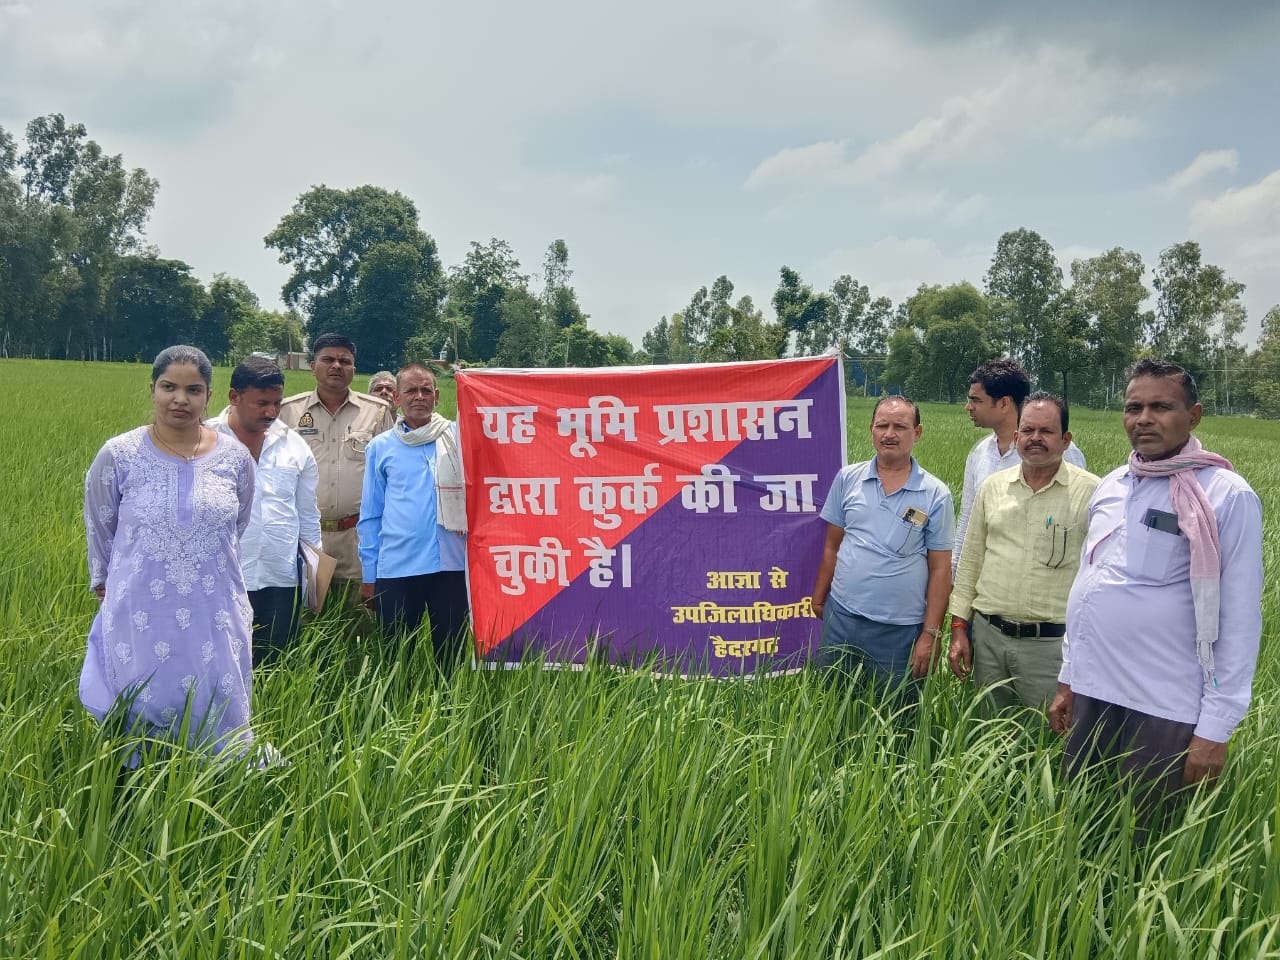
(997, 390)
(285, 511)
(1164, 620)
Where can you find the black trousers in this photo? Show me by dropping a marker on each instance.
(275, 618)
(401, 604)
(1148, 753)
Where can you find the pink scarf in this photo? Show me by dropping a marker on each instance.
(1197, 520)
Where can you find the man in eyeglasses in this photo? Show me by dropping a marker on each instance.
(338, 423)
(1019, 557)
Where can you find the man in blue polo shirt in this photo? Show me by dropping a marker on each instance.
(885, 576)
(413, 520)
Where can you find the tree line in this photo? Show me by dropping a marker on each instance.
(78, 280)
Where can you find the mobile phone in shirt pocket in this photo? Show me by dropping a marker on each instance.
(1156, 555)
(908, 534)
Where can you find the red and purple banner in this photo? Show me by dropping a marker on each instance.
(663, 515)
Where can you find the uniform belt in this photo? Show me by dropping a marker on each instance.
(1024, 628)
(346, 523)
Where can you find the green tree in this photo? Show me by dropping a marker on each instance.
(230, 304)
(1063, 344)
(476, 289)
(720, 312)
(619, 351)
(154, 303)
(1265, 388)
(559, 299)
(1198, 316)
(580, 346)
(1025, 278)
(51, 158)
(657, 342)
(37, 277)
(1110, 291)
(947, 334)
(744, 335)
(361, 265)
(677, 344)
(850, 316)
(395, 297)
(798, 308)
(71, 213)
(696, 321)
(526, 334)
(269, 331)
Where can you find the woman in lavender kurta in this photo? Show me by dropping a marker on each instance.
(164, 508)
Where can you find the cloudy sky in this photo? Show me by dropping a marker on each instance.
(672, 141)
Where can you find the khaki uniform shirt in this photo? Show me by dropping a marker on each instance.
(338, 442)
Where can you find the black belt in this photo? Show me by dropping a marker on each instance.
(1023, 629)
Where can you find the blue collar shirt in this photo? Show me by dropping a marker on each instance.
(882, 569)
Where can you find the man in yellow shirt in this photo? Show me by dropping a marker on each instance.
(1019, 558)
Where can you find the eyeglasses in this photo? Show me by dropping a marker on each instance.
(1059, 539)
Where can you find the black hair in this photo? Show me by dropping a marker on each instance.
(900, 399)
(332, 340)
(1003, 378)
(256, 373)
(1150, 367)
(1043, 396)
(181, 353)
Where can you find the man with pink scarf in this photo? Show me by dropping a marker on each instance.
(1165, 615)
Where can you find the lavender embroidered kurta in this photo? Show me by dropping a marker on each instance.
(164, 535)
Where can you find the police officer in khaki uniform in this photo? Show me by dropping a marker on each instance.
(338, 423)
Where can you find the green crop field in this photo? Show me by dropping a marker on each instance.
(586, 814)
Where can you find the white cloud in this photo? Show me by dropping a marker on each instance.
(1113, 127)
(896, 266)
(1053, 94)
(1204, 165)
(857, 129)
(594, 187)
(935, 205)
(816, 162)
(828, 162)
(968, 209)
(930, 139)
(910, 203)
(1255, 207)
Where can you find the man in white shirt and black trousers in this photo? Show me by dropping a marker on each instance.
(285, 511)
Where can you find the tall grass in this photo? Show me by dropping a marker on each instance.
(581, 814)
